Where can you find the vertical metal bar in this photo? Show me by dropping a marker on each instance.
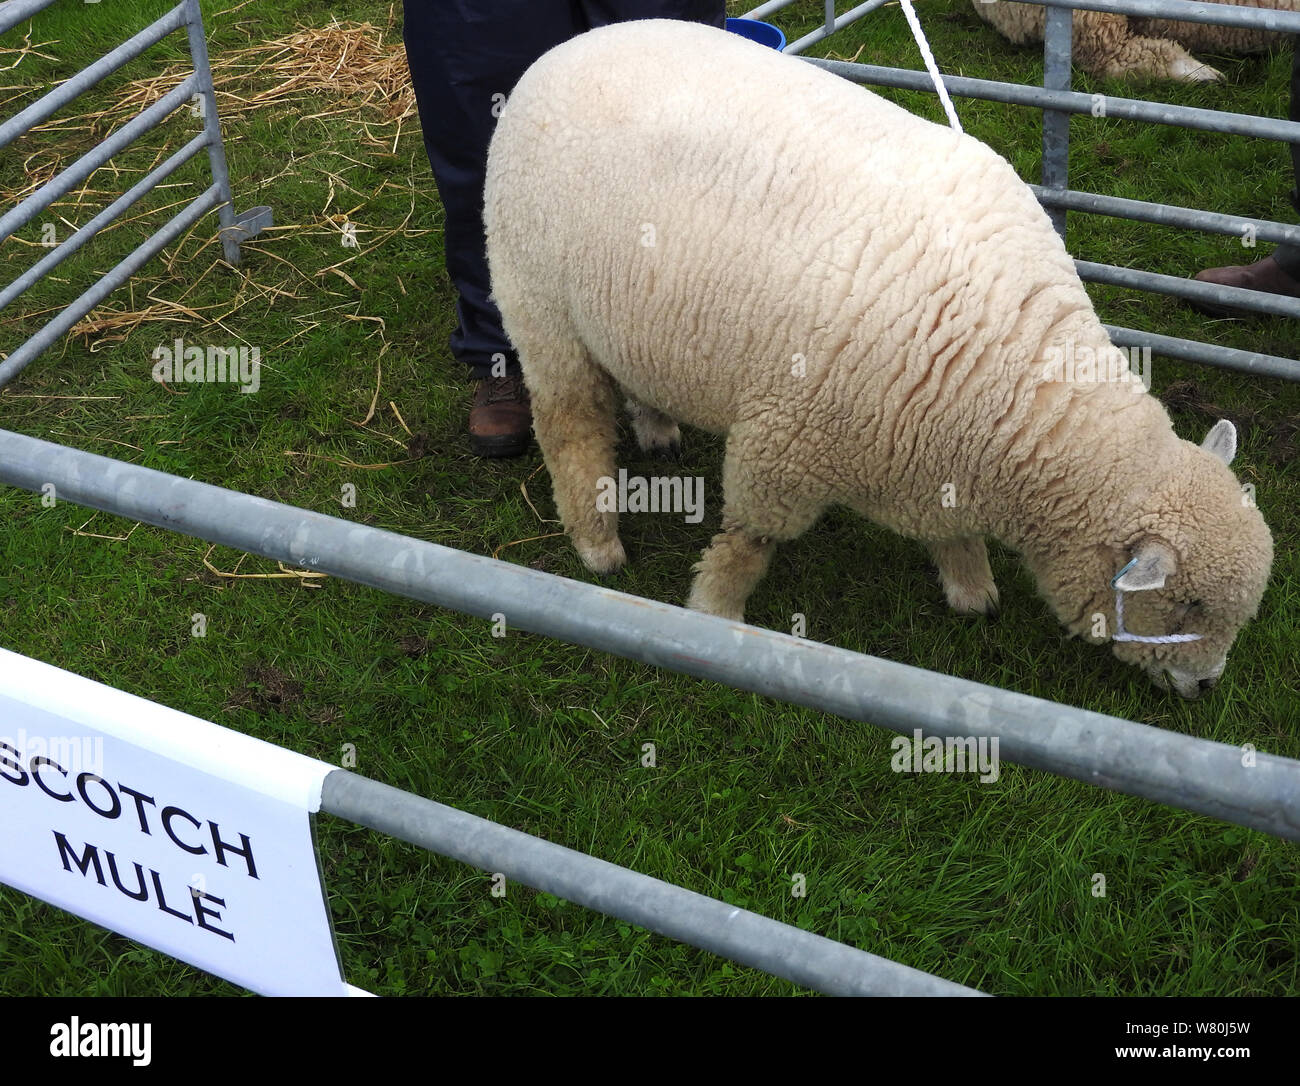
(212, 125)
(841, 21)
(1056, 124)
(830, 17)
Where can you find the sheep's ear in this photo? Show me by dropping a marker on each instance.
(1221, 441)
(1153, 563)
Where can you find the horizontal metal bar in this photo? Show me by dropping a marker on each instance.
(16, 362)
(743, 936)
(15, 11)
(1286, 22)
(1256, 301)
(1129, 109)
(87, 164)
(1169, 767)
(841, 21)
(56, 256)
(65, 92)
(770, 8)
(1168, 215)
(1207, 354)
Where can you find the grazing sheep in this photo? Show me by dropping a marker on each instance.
(1121, 45)
(874, 310)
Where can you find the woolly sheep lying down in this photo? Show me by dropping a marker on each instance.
(1122, 45)
(876, 313)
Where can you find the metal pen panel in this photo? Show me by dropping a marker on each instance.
(197, 87)
(49, 104)
(1168, 767)
(743, 936)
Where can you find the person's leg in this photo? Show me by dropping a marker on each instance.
(1279, 272)
(465, 58)
(602, 12)
(1288, 256)
(464, 62)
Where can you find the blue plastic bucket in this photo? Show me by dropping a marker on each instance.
(763, 33)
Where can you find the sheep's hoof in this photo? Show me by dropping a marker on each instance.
(700, 600)
(602, 559)
(981, 600)
(656, 434)
(1191, 70)
(666, 450)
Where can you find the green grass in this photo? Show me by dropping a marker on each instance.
(987, 885)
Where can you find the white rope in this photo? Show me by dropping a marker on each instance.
(930, 65)
(1122, 634)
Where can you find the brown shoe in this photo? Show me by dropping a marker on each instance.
(1266, 275)
(500, 420)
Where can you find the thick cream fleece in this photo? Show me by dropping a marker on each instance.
(1121, 45)
(868, 305)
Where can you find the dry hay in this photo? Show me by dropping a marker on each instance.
(354, 69)
(349, 61)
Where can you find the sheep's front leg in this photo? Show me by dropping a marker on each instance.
(728, 571)
(965, 574)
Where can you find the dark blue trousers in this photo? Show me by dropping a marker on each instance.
(465, 57)
(1288, 256)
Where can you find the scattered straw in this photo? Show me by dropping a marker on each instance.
(530, 539)
(96, 437)
(306, 578)
(94, 535)
(523, 489)
(346, 60)
(351, 463)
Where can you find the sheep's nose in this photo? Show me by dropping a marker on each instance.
(1206, 684)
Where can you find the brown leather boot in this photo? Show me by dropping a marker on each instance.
(500, 420)
(1266, 275)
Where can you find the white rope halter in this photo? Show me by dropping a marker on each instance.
(1122, 634)
(930, 66)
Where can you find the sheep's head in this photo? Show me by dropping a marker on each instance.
(1197, 564)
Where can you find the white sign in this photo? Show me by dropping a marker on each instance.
(185, 836)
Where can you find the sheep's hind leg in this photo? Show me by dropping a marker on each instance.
(758, 512)
(1106, 45)
(965, 574)
(656, 433)
(573, 416)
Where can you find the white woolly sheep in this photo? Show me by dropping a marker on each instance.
(876, 313)
(1121, 45)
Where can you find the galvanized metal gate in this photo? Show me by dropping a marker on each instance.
(1059, 104)
(195, 89)
(1167, 767)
